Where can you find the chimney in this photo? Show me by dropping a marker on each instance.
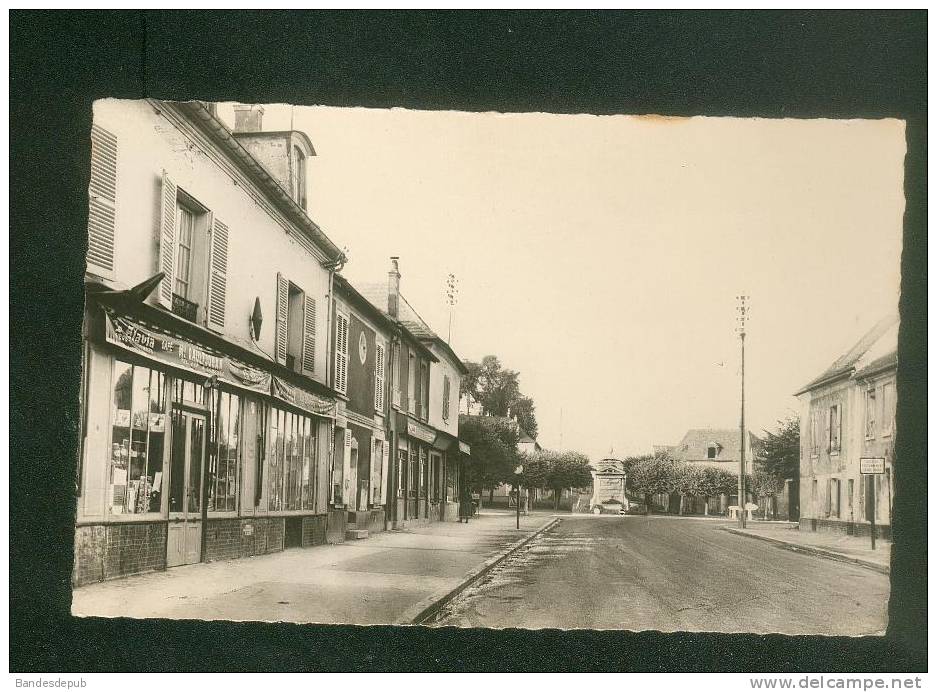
(248, 118)
(393, 289)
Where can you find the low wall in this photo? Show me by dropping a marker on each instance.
(109, 551)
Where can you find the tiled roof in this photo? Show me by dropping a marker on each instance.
(880, 342)
(696, 443)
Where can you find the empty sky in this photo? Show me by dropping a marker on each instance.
(601, 256)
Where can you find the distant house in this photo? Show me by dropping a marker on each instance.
(527, 444)
(719, 448)
(848, 412)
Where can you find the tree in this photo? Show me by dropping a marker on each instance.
(765, 486)
(779, 456)
(497, 391)
(523, 411)
(652, 475)
(567, 470)
(494, 450)
(714, 482)
(687, 482)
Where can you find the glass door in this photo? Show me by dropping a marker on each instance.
(184, 539)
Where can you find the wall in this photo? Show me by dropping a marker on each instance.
(445, 367)
(149, 143)
(117, 550)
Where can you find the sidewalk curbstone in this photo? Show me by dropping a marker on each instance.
(811, 550)
(429, 606)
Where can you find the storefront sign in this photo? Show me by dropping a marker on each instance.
(420, 432)
(300, 398)
(178, 353)
(872, 465)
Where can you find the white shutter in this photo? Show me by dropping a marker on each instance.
(102, 202)
(218, 275)
(341, 353)
(376, 494)
(283, 297)
(379, 377)
(167, 241)
(385, 464)
(309, 334)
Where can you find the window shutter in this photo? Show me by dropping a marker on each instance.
(283, 296)
(102, 201)
(218, 275)
(445, 396)
(341, 353)
(379, 377)
(167, 241)
(309, 334)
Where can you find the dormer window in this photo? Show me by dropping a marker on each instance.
(299, 177)
(713, 450)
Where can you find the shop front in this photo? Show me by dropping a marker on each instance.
(415, 468)
(365, 455)
(189, 453)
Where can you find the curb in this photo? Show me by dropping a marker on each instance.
(810, 550)
(429, 606)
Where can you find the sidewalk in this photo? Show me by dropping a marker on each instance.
(853, 549)
(388, 578)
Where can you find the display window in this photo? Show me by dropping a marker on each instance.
(413, 483)
(138, 432)
(223, 458)
(292, 461)
(401, 466)
(424, 472)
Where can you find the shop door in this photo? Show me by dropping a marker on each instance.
(184, 540)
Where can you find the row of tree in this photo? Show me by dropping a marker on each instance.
(777, 460)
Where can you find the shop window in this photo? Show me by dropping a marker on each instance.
(414, 479)
(401, 465)
(291, 462)
(137, 438)
(223, 452)
(424, 473)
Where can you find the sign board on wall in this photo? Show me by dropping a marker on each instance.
(872, 465)
(420, 432)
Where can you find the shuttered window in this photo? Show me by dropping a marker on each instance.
(341, 353)
(102, 201)
(309, 335)
(283, 296)
(379, 377)
(446, 393)
(167, 241)
(218, 275)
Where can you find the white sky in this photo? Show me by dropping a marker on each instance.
(601, 256)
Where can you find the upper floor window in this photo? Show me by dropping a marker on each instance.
(191, 266)
(299, 177)
(870, 411)
(446, 395)
(295, 336)
(379, 376)
(835, 428)
(814, 433)
(424, 390)
(411, 383)
(888, 408)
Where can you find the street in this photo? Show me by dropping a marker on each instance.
(669, 574)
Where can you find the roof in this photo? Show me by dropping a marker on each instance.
(879, 346)
(696, 443)
(376, 293)
(199, 114)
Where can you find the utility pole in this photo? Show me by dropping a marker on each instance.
(452, 297)
(742, 318)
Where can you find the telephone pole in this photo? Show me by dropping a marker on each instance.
(452, 297)
(743, 310)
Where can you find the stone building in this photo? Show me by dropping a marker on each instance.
(847, 413)
(207, 406)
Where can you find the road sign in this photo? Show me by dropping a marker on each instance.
(872, 465)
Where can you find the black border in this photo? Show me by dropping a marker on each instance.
(775, 64)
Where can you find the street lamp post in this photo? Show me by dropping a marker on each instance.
(743, 311)
(517, 472)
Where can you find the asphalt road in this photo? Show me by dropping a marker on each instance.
(670, 574)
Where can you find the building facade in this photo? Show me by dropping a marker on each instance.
(207, 411)
(848, 413)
